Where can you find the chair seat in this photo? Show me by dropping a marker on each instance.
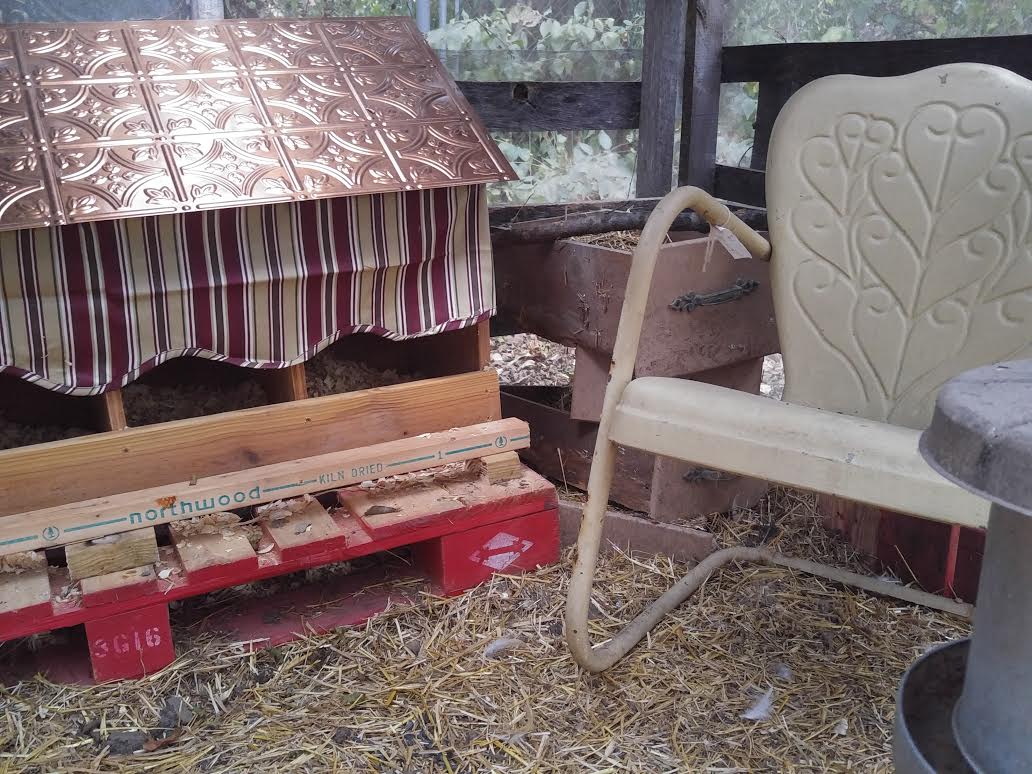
(858, 459)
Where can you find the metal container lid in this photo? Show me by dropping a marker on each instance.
(101, 121)
(981, 433)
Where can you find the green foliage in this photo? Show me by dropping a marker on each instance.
(534, 45)
(557, 167)
(792, 21)
(518, 42)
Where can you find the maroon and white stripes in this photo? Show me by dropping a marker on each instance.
(89, 307)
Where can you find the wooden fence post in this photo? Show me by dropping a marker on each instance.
(661, 63)
(704, 39)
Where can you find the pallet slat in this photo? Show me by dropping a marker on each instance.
(130, 549)
(311, 529)
(213, 554)
(211, 494)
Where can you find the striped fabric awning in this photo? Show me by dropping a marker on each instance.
(89, 307)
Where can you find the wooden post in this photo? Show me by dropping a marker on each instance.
(283, 384)
(662, 60)
(773, 96)
(704, 39)
(455, 352)
(109, 411)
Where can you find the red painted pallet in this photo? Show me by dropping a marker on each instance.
(461, 533)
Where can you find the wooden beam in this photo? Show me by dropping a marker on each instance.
(109, 411)
(803, 62)
(120, 552)
(78, 469)
(502, 467)
(662, 60)
(772, 97)
(453, 352)
(633, 534)
(700, 106)
(184, 499)
(284, 384)
(20, 591)
(517, 224)
(520, 106)
(741, 185)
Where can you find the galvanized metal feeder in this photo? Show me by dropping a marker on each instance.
(980, 438)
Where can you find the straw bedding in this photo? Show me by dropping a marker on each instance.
(764, 670)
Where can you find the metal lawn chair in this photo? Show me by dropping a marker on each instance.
(900, 214)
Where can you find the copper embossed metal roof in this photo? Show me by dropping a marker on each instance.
(105, 121)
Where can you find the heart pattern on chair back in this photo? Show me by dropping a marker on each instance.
(900, 212)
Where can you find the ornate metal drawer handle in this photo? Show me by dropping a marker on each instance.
(691, 301)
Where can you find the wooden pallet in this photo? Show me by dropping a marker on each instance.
(460, 533)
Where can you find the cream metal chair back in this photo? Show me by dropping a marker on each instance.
(900, 212)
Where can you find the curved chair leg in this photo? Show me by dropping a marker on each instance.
(624, 354)
(598, 658)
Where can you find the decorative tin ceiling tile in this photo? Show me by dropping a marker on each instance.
(24, 201)
(58, 53)
(204, 105)
(408, 94)
(282, 46)
(221, 170)
(372, 42)
(182, 49)
(83, 113)
(15, 127)
(437, 154)
(100, 181)
(8, 65)
(309, 100)
(338, 162)
(106, 121)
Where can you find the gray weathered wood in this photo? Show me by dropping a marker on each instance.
(662, 60)
(514, 224)
(208, 9)
(804, 62)
(532, 106)
(700, 107)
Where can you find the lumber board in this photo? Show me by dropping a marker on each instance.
(804, 62)
(109, 411)
(127, 550)
(519, 224)
(204, 553)
(772, 97)
(741, 185)
(102, 589)
(285, 384)
(171, 502)
(662, 60)
(701, 103)
(77, 469)
(502, 467)
(24, 590)
(522, 106)
(310, 529)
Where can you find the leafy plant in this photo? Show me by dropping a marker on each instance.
(539, 46)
